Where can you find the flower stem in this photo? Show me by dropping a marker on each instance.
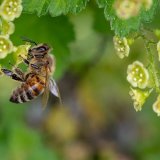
(154, 70)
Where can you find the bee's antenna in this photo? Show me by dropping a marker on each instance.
(28, 40)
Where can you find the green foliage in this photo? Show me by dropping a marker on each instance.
(101, 3)
(124, 27)
(54, 7)
(100, 24)
(120, 26)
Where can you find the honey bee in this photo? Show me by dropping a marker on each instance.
(37, 80)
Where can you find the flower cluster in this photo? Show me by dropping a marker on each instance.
(7, 27)
(139, 97)
(9, 10)
(137, 75)
(21, 51)
(126, 9)
(5, 46)
(121, 46)
(142, 80)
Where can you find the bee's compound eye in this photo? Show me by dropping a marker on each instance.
(41, 49)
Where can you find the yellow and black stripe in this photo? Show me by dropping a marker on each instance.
(29, 90)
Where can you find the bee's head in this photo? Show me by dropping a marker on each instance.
(39, 51)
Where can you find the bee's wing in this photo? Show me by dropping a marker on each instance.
(45, 95)
(54, 89)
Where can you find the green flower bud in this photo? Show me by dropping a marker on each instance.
(6, 28)
(139, 97)
(10, 9)
(137, 75)
(19, 52)
(121, 46)
(156, 106)
(6, 46)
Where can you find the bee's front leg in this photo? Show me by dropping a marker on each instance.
(12, 75)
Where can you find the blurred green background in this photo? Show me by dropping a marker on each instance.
(97, 121)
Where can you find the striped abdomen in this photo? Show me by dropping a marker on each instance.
(33, 87)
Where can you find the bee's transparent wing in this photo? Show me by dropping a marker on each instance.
(54, 89)
(45, 95)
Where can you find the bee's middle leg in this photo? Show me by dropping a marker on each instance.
(12, 75)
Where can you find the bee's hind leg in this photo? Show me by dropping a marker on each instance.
(12, 75)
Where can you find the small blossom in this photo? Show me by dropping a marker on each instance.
(137, 75)
(139, 97)
(126, 9)
(21, 51)
(6, 27)
(147, 4)
(6, 46)
(121, 46)
(10, 9)
(156, 106)
(158, 49)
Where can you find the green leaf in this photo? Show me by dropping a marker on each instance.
(101, 3)
(124, 27)
(54, 7)
(100, 23)
(56, 32)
